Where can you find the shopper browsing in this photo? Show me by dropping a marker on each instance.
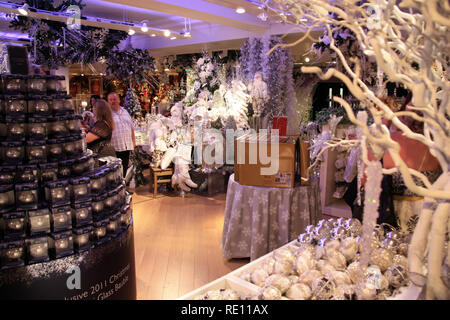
(123, 139)
(99, 136)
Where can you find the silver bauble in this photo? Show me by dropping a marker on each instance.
(382, 258)
(309, 228)
(269, 293)
(403, 249)
(353, 227)
(305, 238)
(339, 233)
(322, 232)
(400, 260)
(397, 276)
(340, 222)
(391, 245)
(332, 222)
(322, 288)
(395, 235)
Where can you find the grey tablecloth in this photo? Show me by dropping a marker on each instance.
(261, 219)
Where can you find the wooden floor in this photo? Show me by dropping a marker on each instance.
(177, 243)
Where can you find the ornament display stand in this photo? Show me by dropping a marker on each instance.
(243, 288)
(103, 272)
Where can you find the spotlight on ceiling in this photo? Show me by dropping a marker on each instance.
(23, 10)
(167, 33)
(307, 59)
(153, 35)
(240, 10)
(144, 27)
(173, 38)
(187, 34)
(131, 32)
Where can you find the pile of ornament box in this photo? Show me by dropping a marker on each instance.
(245, 288)
(290, 165)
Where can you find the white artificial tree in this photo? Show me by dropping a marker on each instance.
(410, 42)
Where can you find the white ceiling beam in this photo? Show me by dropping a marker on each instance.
(201, 10)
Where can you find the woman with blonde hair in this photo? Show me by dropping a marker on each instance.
(99, 136)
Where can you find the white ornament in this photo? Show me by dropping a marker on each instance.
(299, 291)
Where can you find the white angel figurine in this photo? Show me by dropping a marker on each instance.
(259, 93)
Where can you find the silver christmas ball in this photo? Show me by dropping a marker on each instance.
(340, 222)
(403, 248)
(320, 222)
(339, 233)
(391, 245)
(332, 222)
(353, 226)
(395, 235)
(309, 229)
(305, 238)
(397, 276)
(322, 232)
(382, 258)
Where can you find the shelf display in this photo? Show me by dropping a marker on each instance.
(47, 210)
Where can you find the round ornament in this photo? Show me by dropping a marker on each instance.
(382, 258)
(339, 233)
(299, 291)
(304, 263)
(322, 288)
(259, 276)
(270, 293)
(336, 259)
(309, 276)
(283, 267)
(280, 282)
(397, 276)
(305, 238)
(349, 248)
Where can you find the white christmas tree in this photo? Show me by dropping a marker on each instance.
(132, 104)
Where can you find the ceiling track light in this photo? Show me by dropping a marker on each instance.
(173, 38)
(131, 32)
(240, 10)
(23, 10)
(167, 33)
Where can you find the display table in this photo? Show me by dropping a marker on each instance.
(261, 219)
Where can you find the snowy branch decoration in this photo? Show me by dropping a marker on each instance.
(277, 73)
(55, 44)
(410, 43)
(134, 65)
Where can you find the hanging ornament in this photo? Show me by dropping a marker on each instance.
(371, 204)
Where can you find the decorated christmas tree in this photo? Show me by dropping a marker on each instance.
(132, 104)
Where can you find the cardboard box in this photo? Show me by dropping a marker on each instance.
(304, 162)
(252, 169)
